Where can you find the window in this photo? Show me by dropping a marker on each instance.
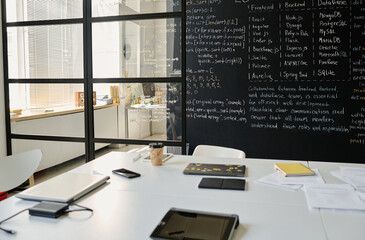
(35, 10)
(144, 48)
(131, 7)
(130, 64)
(44, 52)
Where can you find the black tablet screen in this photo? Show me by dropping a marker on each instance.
(195, 225)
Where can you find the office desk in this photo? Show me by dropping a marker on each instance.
(340, 224)
(131, 208)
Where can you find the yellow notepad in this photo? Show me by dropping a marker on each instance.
(293, 169)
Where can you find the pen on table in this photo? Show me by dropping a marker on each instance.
(136, 157)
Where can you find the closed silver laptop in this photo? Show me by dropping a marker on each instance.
(65, 188)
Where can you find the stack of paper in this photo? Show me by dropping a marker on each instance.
(333, 196)
(351, 175)
(273, 179)
(316, 178)
(361, 195)
(294, 183)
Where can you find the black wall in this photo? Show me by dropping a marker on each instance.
(277, 79)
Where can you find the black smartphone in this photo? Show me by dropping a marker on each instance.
(126, 173)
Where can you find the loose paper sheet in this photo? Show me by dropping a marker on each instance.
(338, 174)
(361, 195)
(356, 176)
(333, 196)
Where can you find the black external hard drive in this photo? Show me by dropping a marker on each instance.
(48, 209)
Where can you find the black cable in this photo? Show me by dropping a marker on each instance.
(75, 210)
(82, 208)
(8, 230)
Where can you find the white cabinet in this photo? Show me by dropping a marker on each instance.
(145, 122)
(159, 121)
(139, 123)
(133, 125)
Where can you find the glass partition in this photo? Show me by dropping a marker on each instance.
(149, 111)
(144, 48)
(52, 51)
(102, 8)
(47, 109)
(53, 152)
(45, 66)
(33, 10)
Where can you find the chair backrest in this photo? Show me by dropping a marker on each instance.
(17, 168)
(217, 151)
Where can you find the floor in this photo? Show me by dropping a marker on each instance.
(76, 162)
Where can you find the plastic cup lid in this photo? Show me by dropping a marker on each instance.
(156, 145)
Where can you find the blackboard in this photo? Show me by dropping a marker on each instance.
(277, 79)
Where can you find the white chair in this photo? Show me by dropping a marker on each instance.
(216, 151)
(16, 169)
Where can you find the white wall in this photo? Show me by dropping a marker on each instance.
(54, 153)
(2, 100)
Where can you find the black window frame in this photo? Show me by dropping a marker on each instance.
(87, 20)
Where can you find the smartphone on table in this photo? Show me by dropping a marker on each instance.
(126, 173)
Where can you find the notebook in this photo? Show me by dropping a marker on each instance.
(223, 183)
(293, 169)
(65, 188)
(215, 169)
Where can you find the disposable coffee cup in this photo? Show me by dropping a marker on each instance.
(156, 153)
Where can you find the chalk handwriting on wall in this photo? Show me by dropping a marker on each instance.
(296, 66)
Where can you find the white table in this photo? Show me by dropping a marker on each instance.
(131, 208)
(340, 224)
(171, 180)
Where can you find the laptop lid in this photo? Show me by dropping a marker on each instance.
(65, 188)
